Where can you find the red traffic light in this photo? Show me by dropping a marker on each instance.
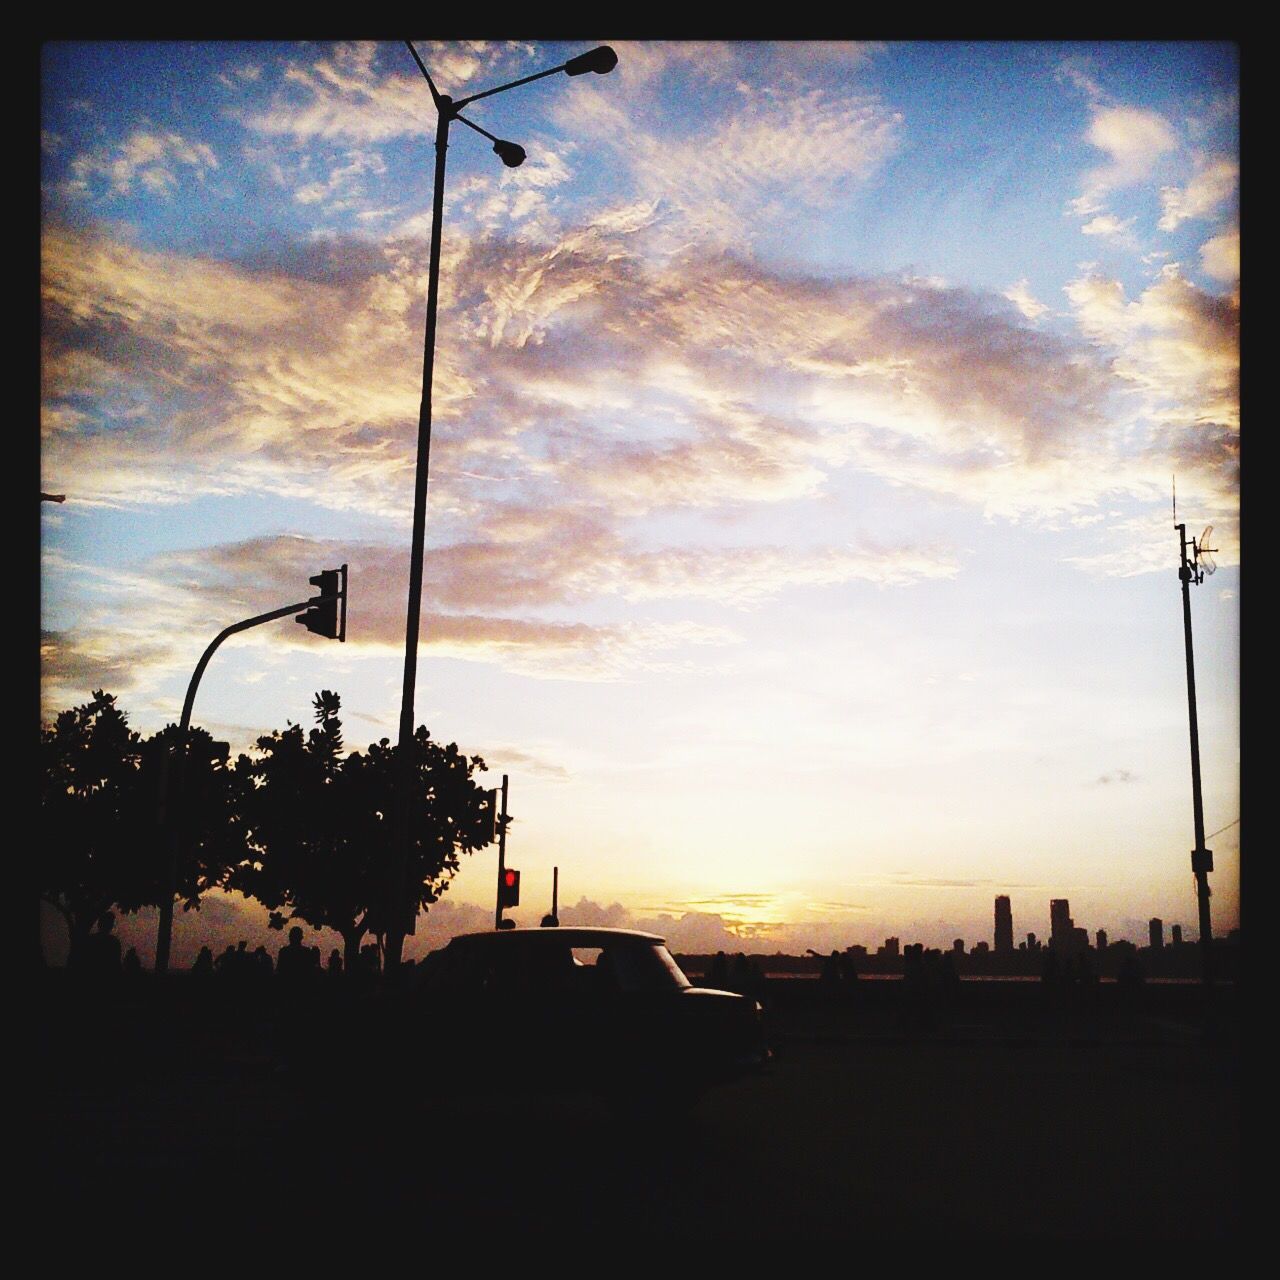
(509, 888)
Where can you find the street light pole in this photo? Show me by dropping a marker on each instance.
(395, 927)
(398, 919)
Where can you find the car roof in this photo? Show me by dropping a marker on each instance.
(573, 936)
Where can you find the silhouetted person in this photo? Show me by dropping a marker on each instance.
(915, 986)
(203, 966)
(949, 977)
(850, 977)
(1130, 979)
(367, 968)
(605, 975)
(746, 978)
(293, 960)
(831, 979)
(100, 958)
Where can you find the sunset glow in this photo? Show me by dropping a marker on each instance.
(799, 535)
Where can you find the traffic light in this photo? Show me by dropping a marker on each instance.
(489, 816)
(509, 888)
(323, 617)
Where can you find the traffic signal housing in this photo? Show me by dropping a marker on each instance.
(327, 614)
(509, 888)
(489, 817)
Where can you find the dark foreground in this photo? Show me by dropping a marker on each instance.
(999, 1115)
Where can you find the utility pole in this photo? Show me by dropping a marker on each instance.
(502, 853)
(1193, 569)
(552, 919)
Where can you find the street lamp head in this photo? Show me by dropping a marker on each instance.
(601, 61)
(510, 153)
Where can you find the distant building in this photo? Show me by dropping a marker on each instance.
(1004, 924)
(957, 947)
(1101, 939)
(1064, 937)
(1177, 935)
(980, 949)
(890, 947)
(1155, 930)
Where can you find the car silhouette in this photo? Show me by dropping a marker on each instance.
(606, 1011)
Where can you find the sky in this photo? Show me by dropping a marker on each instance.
(800, 538)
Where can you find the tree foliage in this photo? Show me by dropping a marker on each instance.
(102, 840)
(321, 825)
(301, 827)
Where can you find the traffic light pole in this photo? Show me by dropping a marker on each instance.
(502, 854)
(1201, 858)
(171, 788)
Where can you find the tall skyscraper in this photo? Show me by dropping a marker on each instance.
(1060, 924)
(1102, 940)
(1177, 935)
(1004, 925)
(1156, 931)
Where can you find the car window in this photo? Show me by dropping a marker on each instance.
(547, 965)
(644, 967)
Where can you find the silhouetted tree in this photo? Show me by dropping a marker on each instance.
(204, 804)
(89, 759)
(321, 826)
(101, 842)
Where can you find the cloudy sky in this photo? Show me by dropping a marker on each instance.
(799, 536)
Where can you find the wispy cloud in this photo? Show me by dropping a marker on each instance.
(300, 378)
(1220, 256)
(1213, 184)
(152, 159)
(1110, 227)
(1133, 139)
(1021, 296)
(774, 152)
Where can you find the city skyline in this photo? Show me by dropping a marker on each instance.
(799, 538)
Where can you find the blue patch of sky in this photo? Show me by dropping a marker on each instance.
(991, 151)
(127, 537)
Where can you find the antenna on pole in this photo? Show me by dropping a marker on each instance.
(1204, 554)
(1192, 571)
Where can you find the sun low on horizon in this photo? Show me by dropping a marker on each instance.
(807, 419)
